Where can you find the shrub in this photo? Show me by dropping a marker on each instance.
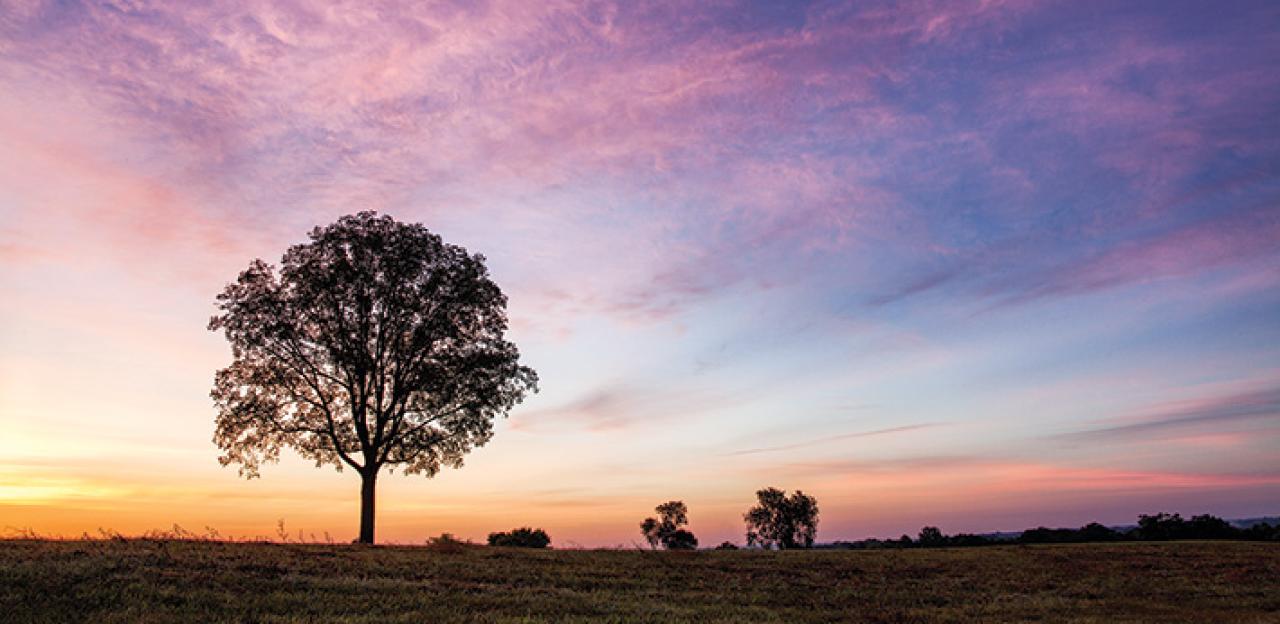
(523, 537)
(447, 543)
(680, 539)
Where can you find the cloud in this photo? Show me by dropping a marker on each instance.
(1199, 416)
(846, 436)
(386, 99)
(740, 146)
(619, 406)
(1009, 273)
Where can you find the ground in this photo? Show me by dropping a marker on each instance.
(195, 581)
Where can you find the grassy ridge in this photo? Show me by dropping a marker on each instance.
(179, 581)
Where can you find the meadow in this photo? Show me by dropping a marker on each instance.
(211, 581)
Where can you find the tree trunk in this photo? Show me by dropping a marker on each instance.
(367, 485)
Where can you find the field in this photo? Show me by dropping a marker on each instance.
(187, 581)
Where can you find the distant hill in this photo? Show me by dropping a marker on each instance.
(1244, 523)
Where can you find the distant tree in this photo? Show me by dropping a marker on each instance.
(931, 536)
(1261, 531)
(375, 345)
(1043, 535)
(1206, 526)
(523, 537)
(650, 529)
(680, 539)
(969, 539)
(1095, 532)
(727, 545)
(782, 521)
(666, 528)
(1159, 526)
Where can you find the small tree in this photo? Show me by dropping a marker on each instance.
(375, 345)
(523, 537)
(931, 536)
(665, 529)
(782, 521)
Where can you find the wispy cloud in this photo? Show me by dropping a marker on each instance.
(1259, 407)
(750, 139)
(838, 437)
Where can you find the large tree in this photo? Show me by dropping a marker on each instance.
(375, 345)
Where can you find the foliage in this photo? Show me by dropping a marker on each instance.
(447, 543)
(680, 539)
(666, 528)
(219, 582)
(1092, 532)
(782, 521)
(1163, 526)
(931, 536)
(1152, 527)
(726, 545)
(1155, 527)
(1261, 531)
(374, 345)
(523, 537)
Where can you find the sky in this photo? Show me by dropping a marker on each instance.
(981, 265)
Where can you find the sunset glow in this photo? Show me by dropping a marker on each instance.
(981, 265)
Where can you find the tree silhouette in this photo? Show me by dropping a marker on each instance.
(523, 537)
(680, 539)
(782, 521)
(665, 529)
(931, 536)
(373, 345)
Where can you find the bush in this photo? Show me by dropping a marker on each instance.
(447, 543)
(523, 537)
(727, 546)
(680, 539)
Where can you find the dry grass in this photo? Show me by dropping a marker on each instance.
(209, 581)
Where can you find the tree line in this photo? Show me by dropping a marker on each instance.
(1151, 527)
(787, 522)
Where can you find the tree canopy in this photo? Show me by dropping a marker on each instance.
(523, 537)
(666, 528)
(373, 345)
(782, 521)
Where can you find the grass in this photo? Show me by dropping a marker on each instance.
(209, 581)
